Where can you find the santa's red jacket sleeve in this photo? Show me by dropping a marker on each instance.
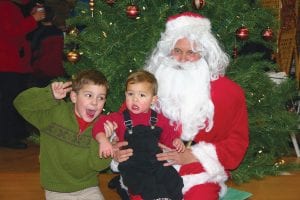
(223, 148)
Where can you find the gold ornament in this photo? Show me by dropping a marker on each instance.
(92, 6)
(279, 162)
(235, 52)
(73, 56)
(73, 31)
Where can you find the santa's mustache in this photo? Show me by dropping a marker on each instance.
(187, 65)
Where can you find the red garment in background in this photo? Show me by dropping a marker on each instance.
(47, 59)
(15, 68)
(15, 53)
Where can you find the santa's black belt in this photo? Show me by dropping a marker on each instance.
(189, 143)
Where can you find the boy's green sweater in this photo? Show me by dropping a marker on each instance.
(69, 161)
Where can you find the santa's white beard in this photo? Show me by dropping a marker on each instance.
(184, 95)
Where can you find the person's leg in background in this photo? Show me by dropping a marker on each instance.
(12, 125)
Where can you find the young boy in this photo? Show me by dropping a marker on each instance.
(143, 128)
(69, 160)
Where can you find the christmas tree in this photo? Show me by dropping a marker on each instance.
(116, 37)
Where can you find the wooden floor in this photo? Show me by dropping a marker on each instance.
(19, 179)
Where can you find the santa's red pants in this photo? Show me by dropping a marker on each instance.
(208, 191)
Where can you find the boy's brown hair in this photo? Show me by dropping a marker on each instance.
(90, 76)
(143, 76)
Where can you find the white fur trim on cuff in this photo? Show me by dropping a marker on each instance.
(214, 171)
(192, 180)
(207, 156)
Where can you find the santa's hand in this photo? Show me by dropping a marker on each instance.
(120, 154)
(175, 158)
(166, 155)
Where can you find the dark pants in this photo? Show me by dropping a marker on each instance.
(142, 173)
(12, 125)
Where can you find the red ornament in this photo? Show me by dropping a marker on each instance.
(242, 33)
(132, 11)
(267, 34)
(198, 4)
(110, 2)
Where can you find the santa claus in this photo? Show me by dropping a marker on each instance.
(207, 107)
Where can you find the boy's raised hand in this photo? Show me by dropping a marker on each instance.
(60, 89)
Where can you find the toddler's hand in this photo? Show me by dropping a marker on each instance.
(179, 145)
(105, 149)
(110, 128)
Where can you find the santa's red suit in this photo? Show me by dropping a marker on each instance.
(221, 149)
(195, 93)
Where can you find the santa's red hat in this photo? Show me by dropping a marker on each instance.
(187, 21)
